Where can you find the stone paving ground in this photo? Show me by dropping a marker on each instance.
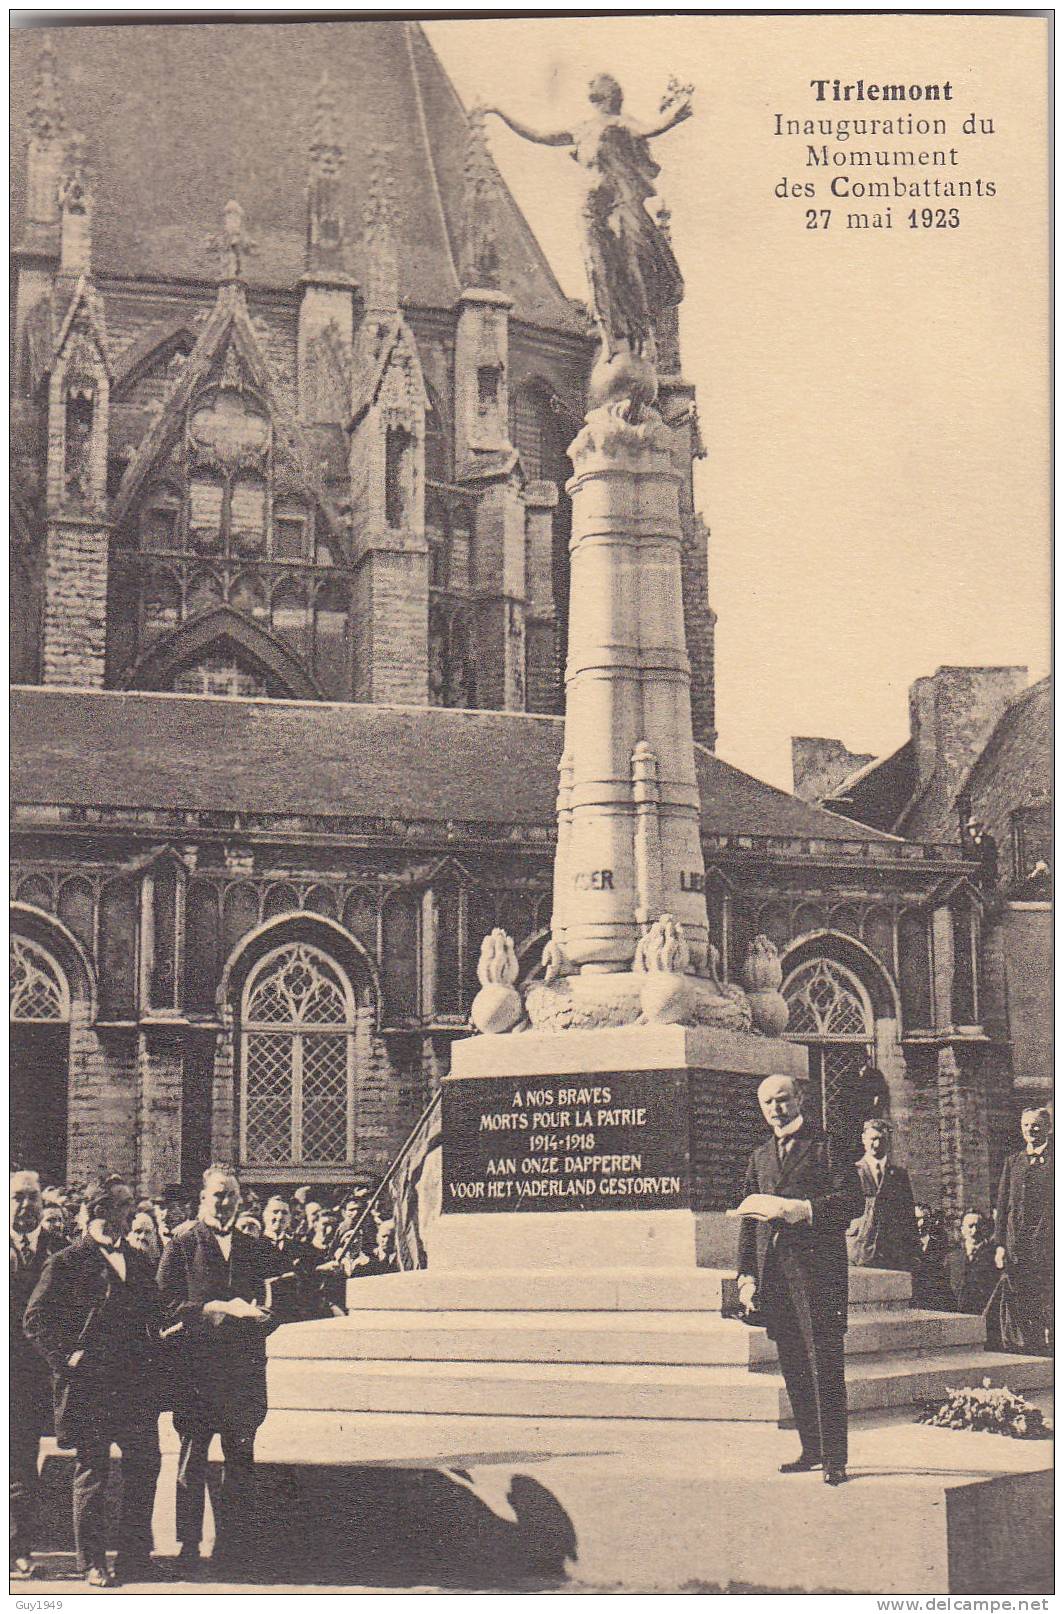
(434, 1504)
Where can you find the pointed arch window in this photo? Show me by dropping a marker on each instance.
(826, 1001)
(530, 432)
(437, 535)
(830, 1012)
(39, 990)
(398, 453)
(436, 456)
(297, 1061)
(80, 414)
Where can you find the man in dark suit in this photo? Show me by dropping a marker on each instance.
(931, 1288)
(884, 1235)
(973, 1270)
(212, 1279)
(31, 1385)
(1023, 1226)
(321, 1279)
(277, 1230)
(793, 1268)
(94, 1316)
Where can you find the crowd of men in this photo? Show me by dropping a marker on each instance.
(809, 1211)
(122, 1310)
(1002, 1263)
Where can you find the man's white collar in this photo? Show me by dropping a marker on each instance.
(791, 1127)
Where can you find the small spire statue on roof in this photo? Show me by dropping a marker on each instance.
(378, 235)
(232, 242)
(46, 108)
(480, 252)
(75, 184)
(326, 148)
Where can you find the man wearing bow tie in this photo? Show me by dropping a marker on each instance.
(212, 1279)
(31, 1385)
(94, 1316)
(793, 1269)
(1023, 1225)
(884, 1235)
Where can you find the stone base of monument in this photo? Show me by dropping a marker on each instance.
(560, 1398)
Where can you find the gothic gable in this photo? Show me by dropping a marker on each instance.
(391, 376)
(82, 339)
(220, 641)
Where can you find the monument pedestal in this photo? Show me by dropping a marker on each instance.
(592, 1150)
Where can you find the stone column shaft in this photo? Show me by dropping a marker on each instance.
(627, 682)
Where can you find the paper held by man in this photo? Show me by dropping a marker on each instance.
(770, 1208)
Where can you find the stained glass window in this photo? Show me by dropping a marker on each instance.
(297, 1062)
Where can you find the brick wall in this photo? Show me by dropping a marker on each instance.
(390, 626)
(962, 1120)
(160, 1074)
(102, 1127)
(74, 636)
(952, 715)
(1027, 945)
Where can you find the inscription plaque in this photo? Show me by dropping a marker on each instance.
(579, 1143)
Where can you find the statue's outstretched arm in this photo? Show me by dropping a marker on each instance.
(560, 137)
(679, 114)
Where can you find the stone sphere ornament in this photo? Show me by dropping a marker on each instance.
(497, 1007)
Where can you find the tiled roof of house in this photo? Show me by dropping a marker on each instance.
(181, 118)
(77, 747)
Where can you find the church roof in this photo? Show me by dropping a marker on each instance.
(117, 749)
(180, 118)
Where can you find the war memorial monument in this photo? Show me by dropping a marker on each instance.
(561, 1397)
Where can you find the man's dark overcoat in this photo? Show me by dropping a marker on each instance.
(1023, 1223)
(80, 1303)
(810, 1260)
(884, 1235)
(1023, 1220)
(31, 1383)
(222, 1378)
(973, 1279)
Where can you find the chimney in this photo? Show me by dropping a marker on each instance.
(952, 715)
(818, 767)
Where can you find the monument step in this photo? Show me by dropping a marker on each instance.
(623, 1390)
(676, 1289)
(696, 1338)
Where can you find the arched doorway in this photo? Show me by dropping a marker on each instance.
(40, 1060)
(831, 1014)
